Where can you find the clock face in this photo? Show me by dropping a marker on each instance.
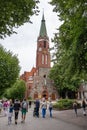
(40, 49)
(44, 51)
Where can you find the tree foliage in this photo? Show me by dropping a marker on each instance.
(9, 69)
(14, 13)
(71, 42)
(17, 91)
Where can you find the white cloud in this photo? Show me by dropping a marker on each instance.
(24, 43)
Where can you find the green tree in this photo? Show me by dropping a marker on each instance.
(16, 91)
(71, 42)
(9, 69)
(14, 13)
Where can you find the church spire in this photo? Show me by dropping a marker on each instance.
(43, 31)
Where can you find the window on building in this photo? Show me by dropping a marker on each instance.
(46, 59)
(44, 44)
(42, 59)
(30, 77)
(44, 76)
(45, 82)
(29, 87)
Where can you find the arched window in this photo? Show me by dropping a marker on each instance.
(42, 59)
(46, 59)
(44, 44)
(53, 96)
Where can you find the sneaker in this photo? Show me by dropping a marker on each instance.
(22, 121)
(15, 122)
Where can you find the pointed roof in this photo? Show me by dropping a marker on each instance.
(43, 31)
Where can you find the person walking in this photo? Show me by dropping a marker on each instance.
(37, 106)
(5, 106)
(84, 107)
(1, 106)
(44, 107)
(75, 107)
(10, 113)
(50, 107)
(30, 104)
(16, 110)
(24, 109)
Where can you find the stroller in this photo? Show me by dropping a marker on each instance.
(34, 112)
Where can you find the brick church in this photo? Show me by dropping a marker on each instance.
(38, 84)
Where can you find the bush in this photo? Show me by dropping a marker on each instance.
(29, 98)
(64, 104)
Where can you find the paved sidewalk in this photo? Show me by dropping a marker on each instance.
(70, 117)
(2, 114)
(62, 119)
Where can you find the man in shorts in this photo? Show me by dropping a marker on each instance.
(24, 109)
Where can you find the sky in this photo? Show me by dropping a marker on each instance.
(24, 43)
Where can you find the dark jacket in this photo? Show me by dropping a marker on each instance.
(83, 104)
(37, 103)
(17, 106)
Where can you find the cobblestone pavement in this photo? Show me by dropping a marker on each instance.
(62, 120)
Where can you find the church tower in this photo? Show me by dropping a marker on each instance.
(43, 53)
(38, 83)
(43, 86)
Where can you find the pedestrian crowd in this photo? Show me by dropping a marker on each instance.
(44, 105)
(9, 107)
(12, 108)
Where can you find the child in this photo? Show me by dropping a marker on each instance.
(10, 113)
(5, 106)
(84, 107)
(75, 107)
(50, 108)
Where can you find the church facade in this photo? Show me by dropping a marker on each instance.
(38, 84)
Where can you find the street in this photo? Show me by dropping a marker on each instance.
(62, 120)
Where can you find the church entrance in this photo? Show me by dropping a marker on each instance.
(45, 94)
(35, 95)
(53, 96)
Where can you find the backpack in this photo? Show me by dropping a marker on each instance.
(44, 105)
(24, 105)
(50, 105)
